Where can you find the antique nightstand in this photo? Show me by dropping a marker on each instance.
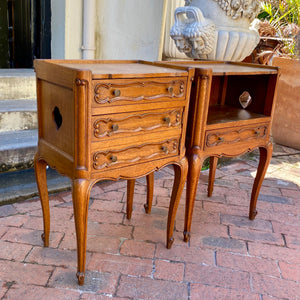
(109, 120)
(231, 110)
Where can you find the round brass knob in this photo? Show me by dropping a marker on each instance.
(164, 149)
(117, 93)
(114, 127)
(113, 158)
(170, 89)
(167, 120)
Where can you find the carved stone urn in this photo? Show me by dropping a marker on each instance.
(216, 29)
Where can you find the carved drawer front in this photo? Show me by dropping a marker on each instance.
(121, 125)
(131, 91)
(232, 136)
(135, 154)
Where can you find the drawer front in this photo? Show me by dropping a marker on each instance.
(230, 136)
(129, 91)
(135, 154)
(122, 125)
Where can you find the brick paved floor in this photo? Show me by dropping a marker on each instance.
(228, 257)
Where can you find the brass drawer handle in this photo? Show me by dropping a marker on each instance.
(117, 93)
(113, 158)
(164, 149)
(167, 120)
(170, 89)
(114, 127)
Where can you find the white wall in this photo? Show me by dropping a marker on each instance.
(128, 29)
(66, 29)
(125, 29)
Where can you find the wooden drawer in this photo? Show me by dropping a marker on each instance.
(135, 154)
(132, 91)
(122, 125)
(232, 136)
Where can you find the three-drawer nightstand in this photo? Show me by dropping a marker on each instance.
(109, 120)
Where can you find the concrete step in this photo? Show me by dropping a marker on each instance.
(21, 185)
(17, 84)
(17, 149)
(18, 115)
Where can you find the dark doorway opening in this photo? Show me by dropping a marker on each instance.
(25, 32)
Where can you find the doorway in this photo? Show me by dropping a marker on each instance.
(25, 32)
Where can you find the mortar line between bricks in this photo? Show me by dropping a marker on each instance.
(153, 270)
(284, 240)
(10, 284)
(26, 256)
(50, 276)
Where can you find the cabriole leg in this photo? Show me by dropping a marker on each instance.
(41, 179)
(195, 164)
(130, 193)
(212, 173)
(80, 193)
(264, 160)
(180, 176)
(150, 188)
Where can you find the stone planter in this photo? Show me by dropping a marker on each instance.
(216, 29)
(286, 121)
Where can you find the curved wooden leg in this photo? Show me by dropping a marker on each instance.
(180, 176)
(212, 172)
(130, 193)
(150, 188)
(264, 160)
(195, 164)
(41, 179)
(80, 193)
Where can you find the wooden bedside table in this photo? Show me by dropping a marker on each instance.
(109, 120)
(219, 126)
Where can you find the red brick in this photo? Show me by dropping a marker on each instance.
(276, 287)
(255, 235)
(150, 234)
(105, 217)
(112, 196)
(7, 210)
(99, 297)
(286, 229)
(199, 291)
(149, 220)
(274, 252)
(277, 216)
(138, 248)
(24, 272)
(37, 292)
(167, 270)
(110, 230)
(107, 205)
(233, 245)
(54, 257)
(237, 200)
(225, 208)
(15, 221)
(31, 237)
(208, 229)
(184, 253)
(109, 185)
(293, 242)
(287, 209)
(14, 251)
(3, 230)
(95, 191)
(3, 288)
(57, 224)
(290, 271)
(146, 288)
(216, 276)
(295, 194)
(240, 221)
(247, 263)
(95, 282)
(94, 243)
(121, 264)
